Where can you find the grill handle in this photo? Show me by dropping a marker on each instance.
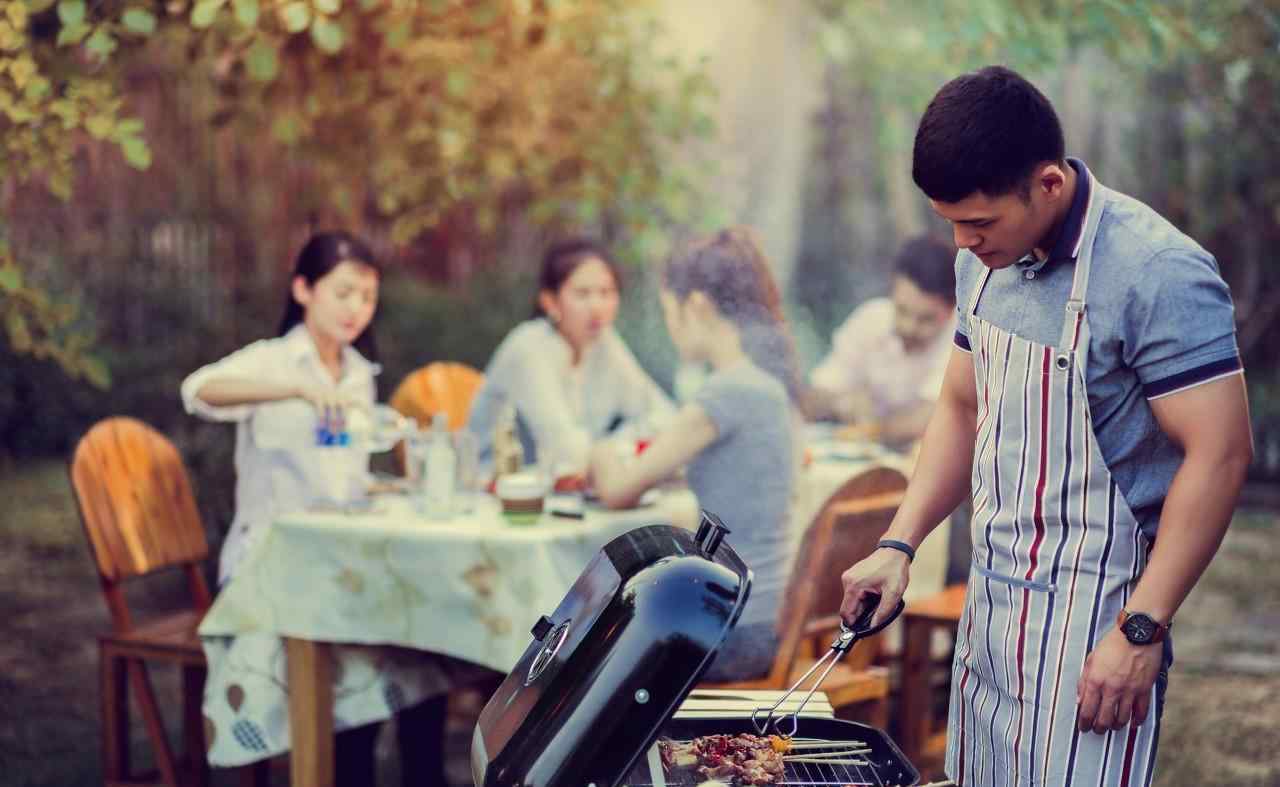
(862, 629)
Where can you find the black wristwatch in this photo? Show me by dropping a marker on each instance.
(1141, 629)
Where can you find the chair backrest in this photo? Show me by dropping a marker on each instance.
(843, 532)
(438, 387)
(442, 386)
(137, 507)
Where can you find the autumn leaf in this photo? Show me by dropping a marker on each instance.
(139, 21)
(246, 12)
(327, 36)
(71, 12)
(262, 61)
(296, 16)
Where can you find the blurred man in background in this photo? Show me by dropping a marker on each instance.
(885, 367)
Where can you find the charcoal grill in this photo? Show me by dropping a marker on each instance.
(605, 672)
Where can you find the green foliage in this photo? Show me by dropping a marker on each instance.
(435, 114)
(904, 51)
(37, 325)
(453, 110)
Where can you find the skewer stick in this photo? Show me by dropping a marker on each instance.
(827, 760)
(794, 745)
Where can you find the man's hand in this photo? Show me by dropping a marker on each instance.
(884, 571)
(1115, 687)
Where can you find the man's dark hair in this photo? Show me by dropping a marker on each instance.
(985, 131)
(929, 264)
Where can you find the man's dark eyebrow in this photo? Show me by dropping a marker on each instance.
(978, 220)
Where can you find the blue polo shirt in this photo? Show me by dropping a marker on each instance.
(1160, 317)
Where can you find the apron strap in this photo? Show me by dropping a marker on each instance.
(972, 308)
(1075, 329)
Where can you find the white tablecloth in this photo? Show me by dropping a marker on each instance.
(467, 588)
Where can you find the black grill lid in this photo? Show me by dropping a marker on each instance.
(609, 667)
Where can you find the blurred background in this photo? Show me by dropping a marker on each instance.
(161, 162)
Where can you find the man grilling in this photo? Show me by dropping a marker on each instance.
(1095, 404)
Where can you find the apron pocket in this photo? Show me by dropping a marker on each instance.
(1042, 587)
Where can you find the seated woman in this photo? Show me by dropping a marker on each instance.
(738, 433)
(324, 357)
(568, 374)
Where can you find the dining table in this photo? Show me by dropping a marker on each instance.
(341, 615)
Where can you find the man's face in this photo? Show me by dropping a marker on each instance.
(1001, 230)
(918, 317)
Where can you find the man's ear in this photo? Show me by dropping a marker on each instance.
(1051, 179)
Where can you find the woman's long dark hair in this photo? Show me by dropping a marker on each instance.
(324, 252)
(562, 259)
(731, 270)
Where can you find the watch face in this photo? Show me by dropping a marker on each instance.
(1139, 629)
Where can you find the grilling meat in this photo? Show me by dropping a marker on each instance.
(739, 759)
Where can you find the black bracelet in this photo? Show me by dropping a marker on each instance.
(901, 546)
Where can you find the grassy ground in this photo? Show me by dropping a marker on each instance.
(1221, 726)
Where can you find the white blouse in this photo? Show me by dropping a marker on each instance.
(866, 355)
(279, 466)
(565, 407)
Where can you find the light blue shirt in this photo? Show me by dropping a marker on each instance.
(1161, 320)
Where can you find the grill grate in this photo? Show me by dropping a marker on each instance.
(801, 774)
(885, 764)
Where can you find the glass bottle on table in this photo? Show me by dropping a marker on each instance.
(441, 469)
(508, 453)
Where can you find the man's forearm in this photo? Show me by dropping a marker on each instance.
(1196, 514)
(940, 481)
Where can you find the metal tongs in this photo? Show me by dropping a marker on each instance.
(839, 646)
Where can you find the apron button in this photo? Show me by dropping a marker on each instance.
(1063, 363)
(1029, 274)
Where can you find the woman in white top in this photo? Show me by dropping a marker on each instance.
(286, 458)
(568, 374)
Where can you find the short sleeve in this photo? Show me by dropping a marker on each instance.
(252, 362)
(1179, 330)
(965, 282)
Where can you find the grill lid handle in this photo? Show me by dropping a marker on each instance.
(711, 531)
(540, 629)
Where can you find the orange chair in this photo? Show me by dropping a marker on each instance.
(140, 516)
(437, 387)
(857, 513)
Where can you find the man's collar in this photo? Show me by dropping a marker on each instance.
(1067, 246)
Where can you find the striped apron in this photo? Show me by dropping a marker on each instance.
(1056, 553)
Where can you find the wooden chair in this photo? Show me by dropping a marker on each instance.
(864, 503)
(140, 516)
(437, 387)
